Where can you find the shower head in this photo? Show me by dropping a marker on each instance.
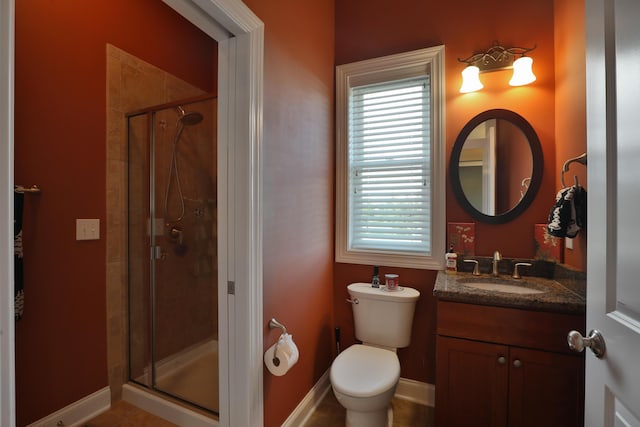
(189, 118)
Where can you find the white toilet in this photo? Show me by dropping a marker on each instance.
(364, 376)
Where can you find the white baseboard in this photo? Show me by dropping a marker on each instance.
(78, 412)
(415, 391)
(310, 402)
(165, 409)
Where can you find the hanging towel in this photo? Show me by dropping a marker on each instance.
(569, 214)
(18, 205)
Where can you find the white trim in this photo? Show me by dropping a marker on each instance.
(240, 81)
(7, 331)
(416, 391)
(308, 405)
(165, 409)
(77, 413)
(402, 65)
(198, 17)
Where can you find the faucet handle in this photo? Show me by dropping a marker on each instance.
(476, 271)
(516, 273)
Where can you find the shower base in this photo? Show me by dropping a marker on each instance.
(191, 376)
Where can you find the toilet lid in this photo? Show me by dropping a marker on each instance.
(364, 371)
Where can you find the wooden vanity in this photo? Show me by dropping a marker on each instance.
(505, 361)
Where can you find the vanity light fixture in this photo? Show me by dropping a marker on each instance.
(497, 58)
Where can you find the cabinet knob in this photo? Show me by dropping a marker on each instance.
(517, 363)
(502, 360)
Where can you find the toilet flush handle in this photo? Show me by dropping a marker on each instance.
(353, 301)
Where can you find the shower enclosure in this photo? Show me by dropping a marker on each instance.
(172, 251)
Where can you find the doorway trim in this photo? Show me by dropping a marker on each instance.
(7, 351)
(240, 79)
(240, 82)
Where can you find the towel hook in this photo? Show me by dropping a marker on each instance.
(34, 189)
(582, 159)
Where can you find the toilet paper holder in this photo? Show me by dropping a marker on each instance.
(273, 323)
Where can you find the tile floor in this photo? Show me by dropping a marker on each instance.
(328, 414)
(405, 414)
(123, 414)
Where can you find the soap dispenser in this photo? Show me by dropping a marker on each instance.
(451, 261)
(375, 280)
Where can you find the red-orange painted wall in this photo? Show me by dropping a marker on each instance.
(60, 132)
(571, 116)
(298, 191)
(372, 28)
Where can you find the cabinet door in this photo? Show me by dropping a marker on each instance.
(471, 383)
(545, 389)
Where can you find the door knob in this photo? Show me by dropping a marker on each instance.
(595, 341)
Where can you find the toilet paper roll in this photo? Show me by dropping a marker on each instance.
(287, 355)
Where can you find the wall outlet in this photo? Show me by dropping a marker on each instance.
(87, 229)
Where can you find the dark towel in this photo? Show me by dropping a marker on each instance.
(569, 214)
(18, 205)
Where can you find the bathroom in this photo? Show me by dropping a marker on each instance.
(62, 349)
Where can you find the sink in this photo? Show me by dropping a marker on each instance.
(501, 287)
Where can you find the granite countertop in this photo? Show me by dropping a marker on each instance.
(556, 298)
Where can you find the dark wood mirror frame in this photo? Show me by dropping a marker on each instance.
(536, 175)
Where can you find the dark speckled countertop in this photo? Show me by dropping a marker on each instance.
(555, 298)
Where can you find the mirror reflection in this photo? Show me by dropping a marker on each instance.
(495, 166)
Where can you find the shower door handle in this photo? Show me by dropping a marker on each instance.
(158, 253)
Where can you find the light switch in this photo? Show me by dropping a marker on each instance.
(568, 243)
(87, 229)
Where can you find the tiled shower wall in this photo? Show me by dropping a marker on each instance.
(132, 84)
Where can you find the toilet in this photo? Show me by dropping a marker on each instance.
(364, 376)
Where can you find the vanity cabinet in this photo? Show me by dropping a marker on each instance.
(498, 367)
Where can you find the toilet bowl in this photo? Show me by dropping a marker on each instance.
(364, 376)
(364, 380)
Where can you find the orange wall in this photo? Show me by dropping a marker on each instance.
(571, 119)
(298, 191)
(373, 28)
(60, 136)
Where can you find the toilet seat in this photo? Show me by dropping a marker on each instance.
(364, 371)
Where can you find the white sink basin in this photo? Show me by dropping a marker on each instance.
(501, 287)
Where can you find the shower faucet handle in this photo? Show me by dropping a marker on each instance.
(176, 235)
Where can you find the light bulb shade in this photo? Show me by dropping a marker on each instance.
(471, 80)
(522, 72)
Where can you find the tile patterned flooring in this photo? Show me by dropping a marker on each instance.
(328, 414)
(405, 414)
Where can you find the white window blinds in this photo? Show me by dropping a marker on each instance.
(389, 166)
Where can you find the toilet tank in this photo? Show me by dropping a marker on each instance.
(381, 317)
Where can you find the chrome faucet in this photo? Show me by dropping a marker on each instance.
(516, 273)
(496, 257)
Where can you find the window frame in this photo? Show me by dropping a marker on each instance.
(393, 67)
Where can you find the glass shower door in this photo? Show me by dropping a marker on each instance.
(177, 313)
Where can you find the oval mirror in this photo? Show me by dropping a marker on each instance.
(496, 166)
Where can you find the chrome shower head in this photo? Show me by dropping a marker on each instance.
(189, 118)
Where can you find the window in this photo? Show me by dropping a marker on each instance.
(390, 206)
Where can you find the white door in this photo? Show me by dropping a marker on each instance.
(613, 273)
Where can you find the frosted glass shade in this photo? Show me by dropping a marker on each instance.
(522, 72)
(471, 80)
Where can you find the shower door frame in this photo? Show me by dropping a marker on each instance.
(240, 37)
